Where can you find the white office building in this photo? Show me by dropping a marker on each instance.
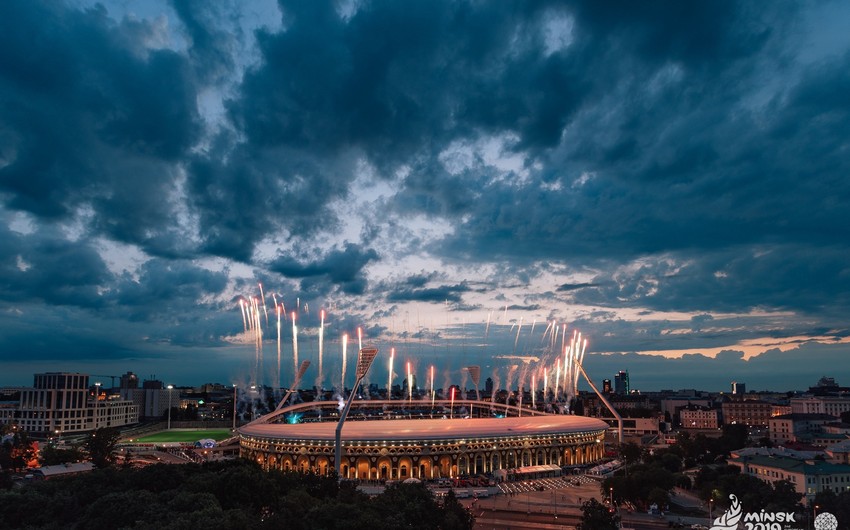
(61, 403)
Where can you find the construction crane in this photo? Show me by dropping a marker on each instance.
(113, 377)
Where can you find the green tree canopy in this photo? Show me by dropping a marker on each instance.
(101, 446)
(597, 516)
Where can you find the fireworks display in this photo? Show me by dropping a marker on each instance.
(551, 357)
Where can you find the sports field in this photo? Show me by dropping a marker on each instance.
(188, 436)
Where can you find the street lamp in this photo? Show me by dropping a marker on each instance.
(364, 362)
(710, 506)
(170, 388)
(96, 403)
(234, 408)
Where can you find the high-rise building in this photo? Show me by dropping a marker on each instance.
(738, 389)
(606, 386)
(129, 380)
(621, 382)
(61, 402)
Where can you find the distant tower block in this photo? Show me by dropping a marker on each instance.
(621, 382)
(738, 389)
(606, 386)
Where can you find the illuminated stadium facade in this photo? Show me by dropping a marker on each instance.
(385, 440)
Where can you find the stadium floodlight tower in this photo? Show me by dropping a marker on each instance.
(607, 403)
(364, 362)
(294, 387)
(475, 373)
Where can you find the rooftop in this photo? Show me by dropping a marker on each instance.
(428, 429)
(808, 467)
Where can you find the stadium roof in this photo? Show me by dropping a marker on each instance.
(428, 429)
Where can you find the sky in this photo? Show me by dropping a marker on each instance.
(453, 177)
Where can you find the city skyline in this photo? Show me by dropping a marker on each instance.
(670, 180)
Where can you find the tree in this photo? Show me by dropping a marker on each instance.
(735, 436)
(597, 516)
(784, 497)
(455, 516)
(16, 452)
(53, 456)
(101, 446)
(630, 452)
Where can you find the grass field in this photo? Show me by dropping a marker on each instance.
(185, 436)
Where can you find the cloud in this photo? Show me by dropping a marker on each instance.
(341, 267)
(93, 120)
(441, 294)
(670, 178)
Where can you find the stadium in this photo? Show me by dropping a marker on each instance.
(401, 439)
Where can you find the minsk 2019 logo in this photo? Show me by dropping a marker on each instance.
(767, 520)
(729, 520)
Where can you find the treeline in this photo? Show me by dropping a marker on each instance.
(649, 477)
(223, 495)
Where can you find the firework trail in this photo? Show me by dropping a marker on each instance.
(557, 377)
(511, 374)
(581, 359)
(258, 344)
(534, 391)
(277, 309)
(244, 318)
(319, 381)
(409, 382)
(294, 344)
(464, 377)
(390, 375)
(433, 392)
(546, 331)
(263, 296)
(344, 348)
(523, 376)
(497, 381)
(359, 339)
(518, 331)
(576, 347)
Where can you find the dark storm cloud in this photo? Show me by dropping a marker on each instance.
(779, 277)
(341, 267)
(211, 50)
(531, 307)
(680, 153)
(92, 119)
(441, 294)
(720, 160)
(566, 287)
(46, 267)
(162, 283)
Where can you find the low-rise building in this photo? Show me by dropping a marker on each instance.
(695, 417)
(833, 405)
(671, 406)
(809, 477)
(636, 428)
(750, 412)
(797, 427)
